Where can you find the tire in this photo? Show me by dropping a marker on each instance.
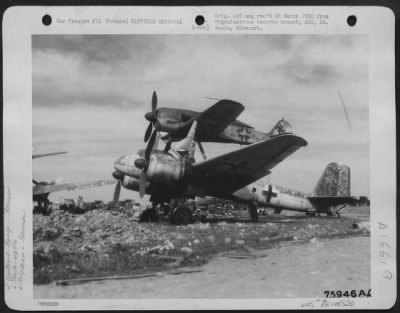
(166, 209)
(148, 215)
(181, 215)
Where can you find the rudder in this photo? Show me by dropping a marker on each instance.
(334, 182)
(281, 128)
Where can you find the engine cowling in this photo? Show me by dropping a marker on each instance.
(130, 183)
(164, 168)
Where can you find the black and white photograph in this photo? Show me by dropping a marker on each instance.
(202, 166)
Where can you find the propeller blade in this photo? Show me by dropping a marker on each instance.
(117, 192)
(142, 184)
(150, 145)
(35, 182)
(148, 132)
(154, 101)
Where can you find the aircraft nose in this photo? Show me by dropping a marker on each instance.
(120, 163)
(126, 165)
(151, 116)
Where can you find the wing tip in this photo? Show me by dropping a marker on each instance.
(297, 139)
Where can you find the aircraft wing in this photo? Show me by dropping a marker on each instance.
(229, 172)
(42, 189)
(35, 156)
(216, 118)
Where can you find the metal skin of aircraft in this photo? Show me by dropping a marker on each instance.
(41, 190)
(216, 124)
(330, 195)
(170, 179)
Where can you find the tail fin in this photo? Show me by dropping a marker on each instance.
(280, 128)
(334, 182)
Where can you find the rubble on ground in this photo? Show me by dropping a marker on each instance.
(102, 242)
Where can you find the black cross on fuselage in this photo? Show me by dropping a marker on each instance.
(244, 134)
(270, 194)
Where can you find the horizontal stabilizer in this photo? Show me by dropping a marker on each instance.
(331, 201)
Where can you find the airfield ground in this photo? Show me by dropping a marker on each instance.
(239, 252)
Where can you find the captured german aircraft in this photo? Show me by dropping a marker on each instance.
(330, 195)
(41, 190)
(216, 124)
(168, 178)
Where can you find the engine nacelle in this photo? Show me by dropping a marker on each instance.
(130, 183)
(164, 168)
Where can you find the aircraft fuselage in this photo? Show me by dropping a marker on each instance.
(179, 181)
(174, 122)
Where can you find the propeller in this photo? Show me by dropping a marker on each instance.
(117, 192)
(148, 132)
(154, 101)
(150, 145)
(151, 117)
(143, 163)
(142, 184)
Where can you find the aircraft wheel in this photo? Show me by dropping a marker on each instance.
(166, 209)
(181, 215)
(149, 215)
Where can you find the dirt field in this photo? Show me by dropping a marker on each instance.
(305, 270)
(275, 257)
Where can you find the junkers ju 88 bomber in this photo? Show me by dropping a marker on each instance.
(171, 178)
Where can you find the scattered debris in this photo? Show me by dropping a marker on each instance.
(187, 250)
(86, 280)
(313, 240)
(99, 242)
(184, 271)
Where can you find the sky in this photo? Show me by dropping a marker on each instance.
(90, 94)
